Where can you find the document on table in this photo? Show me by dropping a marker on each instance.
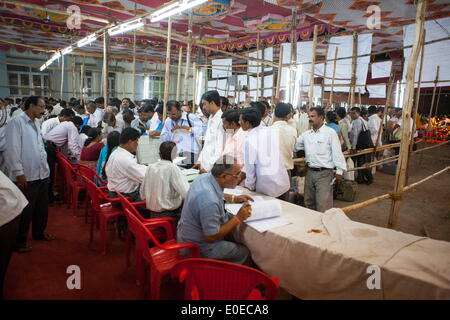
(178, 160)
(188, 172)
(265, 214)
(234, 192)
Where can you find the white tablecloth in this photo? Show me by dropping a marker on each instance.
(333, 264)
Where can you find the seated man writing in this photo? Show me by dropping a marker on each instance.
(164, 186)
(204, 220)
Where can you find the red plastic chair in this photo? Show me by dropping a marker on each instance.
(160, 235)
(208, 279)
(60, 176)
(87, 172)
(74, 186)
(160, 256)
(103, 211)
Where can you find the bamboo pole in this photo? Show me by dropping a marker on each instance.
(280, 71)
(167, 74)
(62, 75)
(82, 82)
(437, 102)
(322, 94)
(73, 76)
(354, 65)
(334, 75)
(195, 86)
(134, 65)
(180, 57)
(434, 94)
(407, 107)
(257, 68)
(293, 54)
(359, 97)
(390, 195)
(105, 67)
(313, 66)
(239, 93)
(188, 58)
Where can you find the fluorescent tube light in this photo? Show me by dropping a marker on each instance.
(182, 5)
(67, 50)
(43, 67)
(87, 40)
(125, 27)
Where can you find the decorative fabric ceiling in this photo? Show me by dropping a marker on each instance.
(225, 24)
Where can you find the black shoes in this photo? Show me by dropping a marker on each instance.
(44, 237)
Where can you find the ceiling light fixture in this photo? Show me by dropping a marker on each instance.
(87, 40)
(125, 27)
(174, 8)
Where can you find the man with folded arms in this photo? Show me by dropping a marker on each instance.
(322, 154)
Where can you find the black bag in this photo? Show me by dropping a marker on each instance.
(345, 190)
(364, 138)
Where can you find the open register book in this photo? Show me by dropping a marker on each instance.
(266, 214)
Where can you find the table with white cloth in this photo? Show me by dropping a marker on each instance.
(328, 256)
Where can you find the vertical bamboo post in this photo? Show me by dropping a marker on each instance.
(105, 67)
(124, 84)
(180, 57)
(239, 93)
(293, 54)
(313, 66)
(73, 58)
(188, 59)
(334, 75)
(400, 177)
(280, 70)
(354, 65)
(62, 75)
(257, 68)
(437, 102)
(323, 79)
(434, 95)
(359, 96)
(167, 74)
(195, 87)
(134, 65)
(82, 82)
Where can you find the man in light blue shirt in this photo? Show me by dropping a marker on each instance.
(184, 129)
(204, 220)
(27, 163)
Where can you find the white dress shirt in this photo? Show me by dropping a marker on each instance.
(48, 125)
(12, 200)
(234, 145)
(322, 149)
(374, 127)
(95, 118)
(288, 138)
(123, 172)
(118, 126)
(214, 141)
(164, 187)
(66, 133)
(264, 166)
(56, 109)
(302, 123)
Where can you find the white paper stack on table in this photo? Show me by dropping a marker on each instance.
(266, 214)
(188, 172)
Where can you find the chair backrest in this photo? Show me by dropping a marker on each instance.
(143, 235)
(208, 279)
(90, 173)
(95, 193)
(68, 169)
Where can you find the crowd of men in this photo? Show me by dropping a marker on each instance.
(253, 147)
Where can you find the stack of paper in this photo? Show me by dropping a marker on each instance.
(188, 172)
(178, 160)
(265, 214)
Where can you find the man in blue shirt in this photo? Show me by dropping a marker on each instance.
(204, 220)
(184, 129)
(27, 161)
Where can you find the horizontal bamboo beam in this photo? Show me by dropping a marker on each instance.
(389, 196)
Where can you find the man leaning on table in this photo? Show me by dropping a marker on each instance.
(322, 154)
(204, 220)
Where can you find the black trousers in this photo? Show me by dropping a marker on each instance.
(36, 212)
(50, 148)
(8, 235)
(365, 175)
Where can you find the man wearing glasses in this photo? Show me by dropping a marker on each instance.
(27, 161)
(204, 220)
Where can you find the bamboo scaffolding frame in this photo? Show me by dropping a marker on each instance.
(188, 58)
(180, 57)
(167, 73)
(390, 195)
(354, 66)
(82, 81)
(434, 93)
(280, 71)
(62, 75)
(293, 54)
(407, 108)
(323, 80)
(73, 76)
(134, 64)
(105, 68)
(437, 102)
(257, 68)
(195, 87)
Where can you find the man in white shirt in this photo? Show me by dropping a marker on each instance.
(124, 174)
(165, 186)
(110, 123)
(215, 134)
(358, 125)
(65, 137)
(264, 166)
(303, 121)
(95, 115)
(12, 202)
(322, 154)
(64, 115)
(374, 123)
(143, 122)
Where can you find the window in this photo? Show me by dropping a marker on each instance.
(87, 84)
(156, 87)
(112, 84)
(24, 81)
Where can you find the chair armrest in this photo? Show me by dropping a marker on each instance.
(194, 251)
(158, 223)
(168, 219)
(139, 204)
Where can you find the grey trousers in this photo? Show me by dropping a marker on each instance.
(318, 191)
